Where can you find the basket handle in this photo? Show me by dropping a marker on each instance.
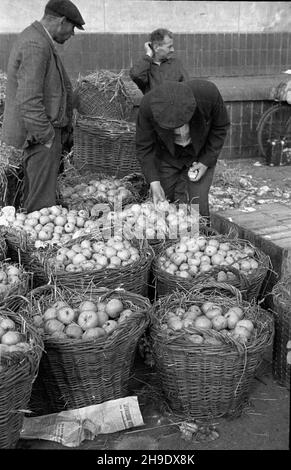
(218, 285)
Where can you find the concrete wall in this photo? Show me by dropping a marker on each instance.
(142, 16)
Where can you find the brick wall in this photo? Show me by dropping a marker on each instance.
(221, 54)
(213, 55)
(241, 141)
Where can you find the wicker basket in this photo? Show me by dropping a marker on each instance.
(249, 284)
(3, 247)
(133, 277)
(206, 380)
(74, 372)
(72, 178)
(18, 371)
(282, 312)
(20, 287)
(21, 249)
(105, 146)
(104, 94)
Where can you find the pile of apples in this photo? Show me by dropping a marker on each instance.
(53, 225)
(100, 189)
(87, 255)
(165, 220)
(10, 276)
(11, 340)
(209, 315)
(192, 256)
(88, 320)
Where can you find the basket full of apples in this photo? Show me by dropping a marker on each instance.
(14, 280)
(207, 344)
(90, 340)
(28, 233)
(85, 191)
(111, 262)
(21, 348)
(182, 263)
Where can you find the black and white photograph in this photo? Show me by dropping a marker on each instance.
(145, 231)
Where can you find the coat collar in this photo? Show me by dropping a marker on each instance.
(37, 25)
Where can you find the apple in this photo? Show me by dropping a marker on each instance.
(206, 306)
(93, 333)
(11, 337)
(114, 307)
(203, 322)
(74, 331)
(248, 324)
(22, 346)
(59, 335)
(2, 331)
(232, 319)
(7, 324)
(50, 313)
(125, 314)
(59, 304)
(213, 311)
(196, 339)
(110, 326)
(37, 320)
(219, 322)
(237, 310)
(87, 305)
(88, 319)
(66, 315)
(53, 325)
(102, 317)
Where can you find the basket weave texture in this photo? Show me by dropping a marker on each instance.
(208, 381)
(72, 178)
(21, 249)
(18, 371)
(75, 373)
(282, 310)
(105, 94)
(250, 285)
(17, 288)
(105, 146)
(3, 247)
(133, 277)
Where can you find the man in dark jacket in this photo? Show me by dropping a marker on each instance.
(39, 101)
(181, 127)
(158, 64)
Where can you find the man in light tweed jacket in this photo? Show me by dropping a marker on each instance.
(39, 103)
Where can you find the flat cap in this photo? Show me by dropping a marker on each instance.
(172, 104)
(65, 8)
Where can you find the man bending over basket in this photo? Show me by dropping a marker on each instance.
(181, 127)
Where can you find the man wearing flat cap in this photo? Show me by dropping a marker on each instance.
(39, 101)
(180, 131)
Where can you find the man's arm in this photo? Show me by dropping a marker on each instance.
(217, 134)
(139, 73)
(29, 97)
(146, 145)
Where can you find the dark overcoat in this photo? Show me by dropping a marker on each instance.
(208, 130)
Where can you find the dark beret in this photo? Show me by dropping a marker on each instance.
(172, 104)
(65, 8)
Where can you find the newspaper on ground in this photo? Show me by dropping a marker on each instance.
(71, 427)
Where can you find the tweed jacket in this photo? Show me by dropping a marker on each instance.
(146, 74)
(39, 92)
(208, 129)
